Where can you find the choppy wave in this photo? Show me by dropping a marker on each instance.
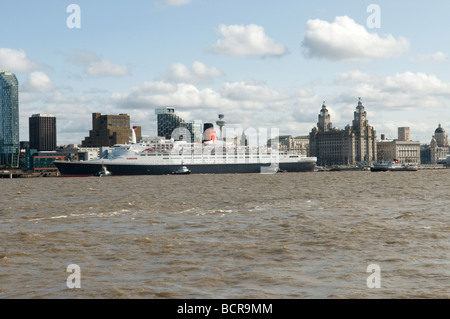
(288, 235)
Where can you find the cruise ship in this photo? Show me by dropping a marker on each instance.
(168, 156)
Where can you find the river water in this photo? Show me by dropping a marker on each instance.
(289, 235)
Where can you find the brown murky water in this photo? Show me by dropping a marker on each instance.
(292, 235)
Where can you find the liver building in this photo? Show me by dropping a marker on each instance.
(354, 144)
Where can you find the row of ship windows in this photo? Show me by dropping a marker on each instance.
(213, 155)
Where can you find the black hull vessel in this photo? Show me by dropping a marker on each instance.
(82, 169)
(175, 157)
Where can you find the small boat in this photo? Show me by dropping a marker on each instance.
(103, 172)
(393, 166)
(183, 170)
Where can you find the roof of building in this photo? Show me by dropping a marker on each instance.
(439, 129)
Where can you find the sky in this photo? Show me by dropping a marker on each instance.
(263, 64)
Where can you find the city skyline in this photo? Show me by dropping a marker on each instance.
(261, 64)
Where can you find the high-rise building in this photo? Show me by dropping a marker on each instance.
(352, 145)
(9, 120)
(108, 130)
(168, 121)
(42, 132)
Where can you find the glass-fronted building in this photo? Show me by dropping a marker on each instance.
(168, 121)
(196, 130)
(9, 120)
(170, 125)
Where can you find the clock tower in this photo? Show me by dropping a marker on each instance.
(365, 136)
(360, 117)
(324, 122)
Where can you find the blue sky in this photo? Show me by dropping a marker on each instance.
(264, 64)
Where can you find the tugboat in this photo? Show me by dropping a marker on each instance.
(183, 170)
(103, 172)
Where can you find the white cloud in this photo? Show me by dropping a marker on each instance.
(345, 39)
(438, 57)
(406, 82)
(16, 61)
(198, 73)
(38, 82)
(157, 94)
(249, 91)
(405, 91)
(417, 83)
(95, 65)
(247, 40)
(244, 95)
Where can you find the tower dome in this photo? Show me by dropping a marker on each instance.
(439, 129)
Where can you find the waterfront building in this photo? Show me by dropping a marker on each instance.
(108, 130)
(404, 134)
(300, 145)
(288, 143)
(195, 129)
(439, 147)
(402, 149)
(170, 125)
(43, 162)
(9, 120)
(350, 146)
(167, 121)
(42, 132)
(89, 153)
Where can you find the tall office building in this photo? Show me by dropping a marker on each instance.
(42, 132)
(108, 130)
(9, 119)
(168, 121)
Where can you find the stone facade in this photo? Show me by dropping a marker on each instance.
(439, 147)
(350, 146)
(403, 149)
(299, 144)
